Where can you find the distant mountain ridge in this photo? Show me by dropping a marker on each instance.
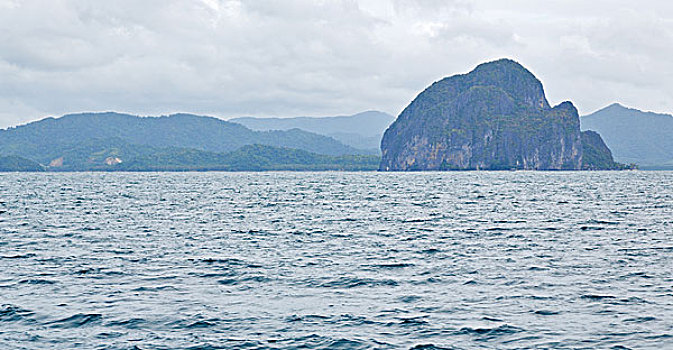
(362, 130)
(43, 140)
(116, 141)
(634, 136)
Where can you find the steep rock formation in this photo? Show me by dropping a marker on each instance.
(495, 117)
(596, 155)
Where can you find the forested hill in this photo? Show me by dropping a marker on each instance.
(47, 139)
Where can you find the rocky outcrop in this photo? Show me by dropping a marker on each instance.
(596, 155)
(112, 161)
(55, 163)
(495, 117)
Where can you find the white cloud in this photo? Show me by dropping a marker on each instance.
(302, 57)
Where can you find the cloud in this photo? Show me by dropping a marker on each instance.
(299, 57)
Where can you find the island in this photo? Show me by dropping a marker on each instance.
(495, 117)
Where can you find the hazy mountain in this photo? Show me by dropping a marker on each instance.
(363, 130)
(634, 136)
(495, 117)
(48, 139)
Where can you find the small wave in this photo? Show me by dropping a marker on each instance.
(352, 282)
(603, 222)
(36, 281)
(418, 220)
(640, 319)
(429, 280)
(236, 345)
(214, 274)
(545, 312)
(430, 347)
(636, 275)
(342, 320)
(19, 256)
(221, 261)
(113, 335)
(12, 313)
(340, 344)
(201, 324)
(409, 298)
(538, 268)
(393, 265)
(114, 273)
(314, 341)
(306, 318)
(492, 319)
(132, 323)
(591, 228)
(123, 251)
(235, 281)
(597, 297)
(498, 229)
(153, 289)
(633, 300)
(352, 320)
(87, 271)
(194, 323)
(346, 344)
(659, 336)
(490, 333)
(412, 321)
(78, 320)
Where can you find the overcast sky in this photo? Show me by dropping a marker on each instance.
(294, 57)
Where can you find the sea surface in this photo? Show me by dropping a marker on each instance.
(458, 260)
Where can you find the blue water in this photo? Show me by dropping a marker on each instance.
(465, 260)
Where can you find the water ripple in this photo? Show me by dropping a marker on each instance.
(502, 260)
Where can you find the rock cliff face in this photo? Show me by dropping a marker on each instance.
(495, 117)
(595, 153)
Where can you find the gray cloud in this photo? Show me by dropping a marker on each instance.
(302, 57)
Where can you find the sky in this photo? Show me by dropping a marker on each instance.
(230, 58)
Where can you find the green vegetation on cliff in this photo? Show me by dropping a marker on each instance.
(596, 155)
(495, 117)
(14, 163)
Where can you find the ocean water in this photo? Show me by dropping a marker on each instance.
(467, 260)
